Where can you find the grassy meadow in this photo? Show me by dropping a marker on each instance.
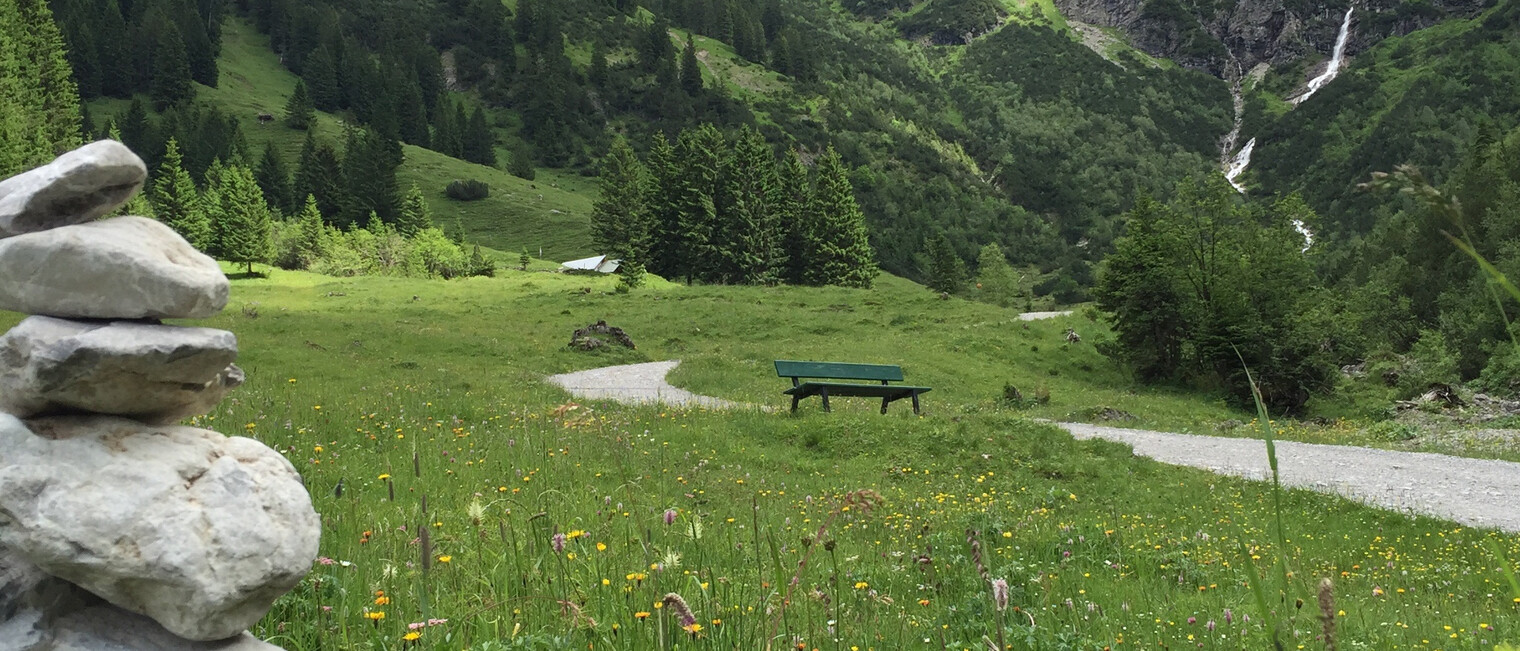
(466, 504)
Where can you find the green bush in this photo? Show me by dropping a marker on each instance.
(469, 190)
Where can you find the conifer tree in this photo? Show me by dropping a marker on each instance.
(370, 161)
(299, 111)
(995, 279)
(172, 84)
(39, 101)
(241, 227)
(699, 151)
(447, 138)
(794, 209)
(479, 142)
(619, 226)
(112, 45)
(274, 181)
(597, 73)
(661, 188)
(842, 245)
(415, 216)
(320, 175)
(411, 112)
(176, 202)
(691, 69)
(319, 71)
(749, 242)
(523, 260)
(521, 164)
(945, 271)
(311, 235)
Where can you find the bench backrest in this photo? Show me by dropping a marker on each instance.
(838, 371)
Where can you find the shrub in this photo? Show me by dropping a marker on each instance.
(470, 190)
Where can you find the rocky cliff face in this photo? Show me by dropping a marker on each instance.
(1228, 39)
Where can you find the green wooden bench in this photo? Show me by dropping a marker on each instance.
(883, 373)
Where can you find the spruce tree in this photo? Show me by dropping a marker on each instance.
(176, 202)
(944, 272)
(795, 216)
(661, 189)
(39, 101)
(370, 161)
(523, 260)
(242, 224)
(112, 44)
(138, 204)
(749, 241)
(415, 216)
(172, 84)
(995, 279)
(842, 245)
(597, 73)
(700, 151)
(274, 180)
(447, 138)
(619, 226)
(320, 174)
(691, 69)
(319, 71)
(479, 142)
(311, 235)
(299, 111)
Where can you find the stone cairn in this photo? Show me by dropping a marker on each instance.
(119, 530)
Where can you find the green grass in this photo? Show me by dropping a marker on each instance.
(550, 213)
(426, 399)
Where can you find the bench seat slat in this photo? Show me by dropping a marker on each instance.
(838, 371)
(808, 389)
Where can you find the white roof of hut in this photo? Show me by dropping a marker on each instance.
(598, 263)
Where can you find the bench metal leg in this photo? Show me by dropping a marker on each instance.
(884, 403)
(825, 393)
(915, 402)
(794, 404)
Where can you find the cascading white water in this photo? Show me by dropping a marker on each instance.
(1238, 165)
(1336, 56)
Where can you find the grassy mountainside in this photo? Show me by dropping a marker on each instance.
(432, 413)
(550, 213)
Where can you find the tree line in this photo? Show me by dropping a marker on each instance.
(39, 102)
(724, 210)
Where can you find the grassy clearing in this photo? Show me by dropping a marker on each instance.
(555, 525)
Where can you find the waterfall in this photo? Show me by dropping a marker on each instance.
(1238, 165)
(1336, 57)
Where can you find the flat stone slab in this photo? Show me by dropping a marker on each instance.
(77, 187)
(157, 374)
(120, 268)
(198, 531)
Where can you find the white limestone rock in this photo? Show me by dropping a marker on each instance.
(77, 187)
(121, 268)
(198, 531)
(157, 374)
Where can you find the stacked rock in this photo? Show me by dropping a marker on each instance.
(120, 531)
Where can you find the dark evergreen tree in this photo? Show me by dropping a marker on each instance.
(521, 164)
(274, 181)
(662, 187)
(172, 84)
(370, 161)
(176, 202)
(945, 271)
(448, 137)
(320, 175)
(655, 50)
(699, 152)
(320, 74)
(619, 220)
(479, 141)
(200, 47)
(597, 74)
(112, 46)
(798, 223)
(842, 245)
(411, 111)
(749, 236)
(691, 69)
(39, 101)
(299, 111)
(136, 132)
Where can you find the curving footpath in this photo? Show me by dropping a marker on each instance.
(1473, 492)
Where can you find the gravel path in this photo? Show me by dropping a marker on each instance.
(1036, 316)
(1474, 492)
(635, 384)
